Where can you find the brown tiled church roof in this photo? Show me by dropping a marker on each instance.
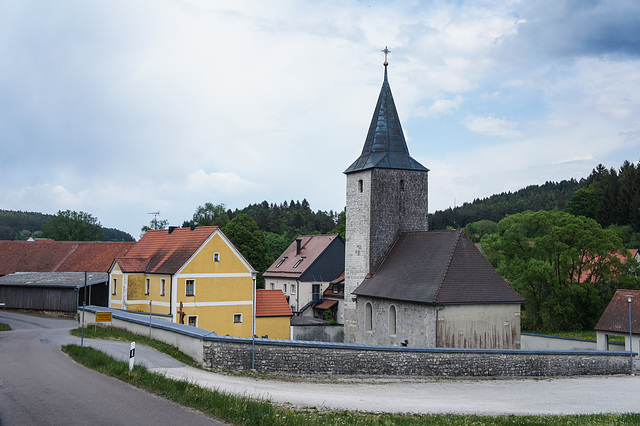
(437, 267)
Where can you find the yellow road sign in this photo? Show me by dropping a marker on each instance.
(103, 316)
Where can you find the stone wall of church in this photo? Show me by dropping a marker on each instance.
(394, 323)
(356, 243)
(399, 203)
(381, 203)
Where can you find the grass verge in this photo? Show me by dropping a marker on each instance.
(4, 327)
(246, 411)
(124, 336)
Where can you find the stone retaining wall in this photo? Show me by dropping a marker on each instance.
(318, 358)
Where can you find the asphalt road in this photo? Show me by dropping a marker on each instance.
(40, 385)
(572, 395)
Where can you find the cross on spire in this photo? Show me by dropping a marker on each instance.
(386, 51)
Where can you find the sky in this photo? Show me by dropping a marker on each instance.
(123, 108)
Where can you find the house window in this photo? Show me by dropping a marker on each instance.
(315, 292)
(114, 288)
(273, 286)
(297, 263)
(147, 285)
(284, 288)
(392, 320)
(190, 288)
(192, 320)
(216, 257)
(237, 318)
(163, 286)
(280, 263)
(360, 185)
(293, 289)
(368, 317)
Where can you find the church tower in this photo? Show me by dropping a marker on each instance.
(386, 195)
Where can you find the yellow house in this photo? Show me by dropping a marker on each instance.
(273, 314)
(195, 274)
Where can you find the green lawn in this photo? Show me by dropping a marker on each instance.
(246, 411)
(581, 334)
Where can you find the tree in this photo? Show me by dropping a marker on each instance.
(73, 226)
(155, 224)
(211, 215)
(583, 202)
(566, 267)
(341, 224)
(250, 240)
(476, 230)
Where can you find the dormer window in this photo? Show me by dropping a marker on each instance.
(297, 263)
(280, 263)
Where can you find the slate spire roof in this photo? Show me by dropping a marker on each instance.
(385, 146)
(437, 267)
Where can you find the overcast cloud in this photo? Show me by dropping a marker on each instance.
(121, 108)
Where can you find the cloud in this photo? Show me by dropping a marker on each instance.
(440, 107)
(120, 108)
(492, 126)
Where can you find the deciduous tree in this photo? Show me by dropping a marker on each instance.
(73, 226)
(566, 267)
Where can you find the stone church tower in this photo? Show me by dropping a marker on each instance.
(386, 195)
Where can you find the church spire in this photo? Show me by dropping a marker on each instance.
(385, 146)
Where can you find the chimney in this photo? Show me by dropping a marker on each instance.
(172, 228)
(298, 245)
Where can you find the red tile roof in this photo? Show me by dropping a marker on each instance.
(271, 303)
(165, 251)
(59, 256)
(326, 304)
(616, 317)
(294, 264)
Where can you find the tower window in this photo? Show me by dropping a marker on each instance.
(401, 184)
(360, 185)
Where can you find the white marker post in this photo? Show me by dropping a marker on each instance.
(132, 355)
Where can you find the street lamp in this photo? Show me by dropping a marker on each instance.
(629, 298)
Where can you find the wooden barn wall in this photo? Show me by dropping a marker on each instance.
(39, 298)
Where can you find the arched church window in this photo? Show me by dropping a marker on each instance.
(360, 185)
(401, 185)
(368, 317)
(392, 320)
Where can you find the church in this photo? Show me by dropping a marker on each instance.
(405, 285)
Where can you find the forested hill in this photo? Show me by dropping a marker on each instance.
(19, 225)
(610, 196)
(550, 196)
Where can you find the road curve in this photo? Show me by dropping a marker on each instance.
(41, 385)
